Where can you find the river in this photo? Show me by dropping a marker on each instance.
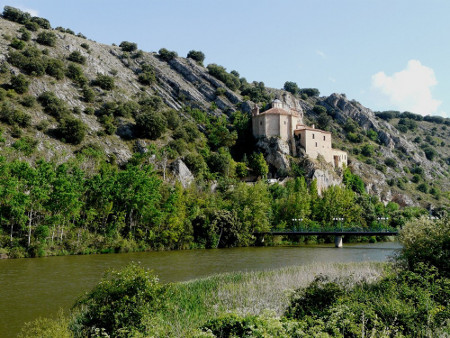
(30, 288)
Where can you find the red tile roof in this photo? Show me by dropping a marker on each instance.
(280, 111)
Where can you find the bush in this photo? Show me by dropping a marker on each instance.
(30, 61)
(43, 23)
(426, 241)
(150, 124)
(75, 73)
(314, 299)
(423, 187)
(72, 130)
(120, 302)
(195, 163)
(46, 38)
(17, 44)
(196, 55)
(220, 73)
(367, 150)
(53, 105)
(9, 114)
(32, 26)
(88, 94)
(20, 83)
(55, 68)
(26, 35)
(104, 81)
(127, 46)
(28, 101)
(310, 92)
(77, 57)
(26, 144)
(167, 55)
(147, 75)
(390, 162)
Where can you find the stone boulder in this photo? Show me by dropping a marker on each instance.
(182, 173)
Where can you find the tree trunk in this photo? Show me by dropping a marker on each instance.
(30, 221)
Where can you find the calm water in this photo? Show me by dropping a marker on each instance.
(30, 288)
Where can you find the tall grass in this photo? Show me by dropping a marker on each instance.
(192, 303)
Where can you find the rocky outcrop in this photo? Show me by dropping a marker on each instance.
(182, 173)
(276, 152)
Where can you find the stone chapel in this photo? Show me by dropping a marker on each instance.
(287, 124)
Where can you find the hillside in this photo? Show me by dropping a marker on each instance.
(52, 79)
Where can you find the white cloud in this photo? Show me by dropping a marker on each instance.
(321, 54)
(33, 12)
(332, 79)
(409, 89)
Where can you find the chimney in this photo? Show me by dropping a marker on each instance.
(313, 126)
(255, 110)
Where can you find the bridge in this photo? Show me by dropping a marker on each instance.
(338, 233)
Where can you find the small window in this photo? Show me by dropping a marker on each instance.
(316, 144)
(313, 137)
(260, 123)
(324, 137)
(285, 122)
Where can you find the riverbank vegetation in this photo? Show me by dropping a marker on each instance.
(408, 298)
(51, 209)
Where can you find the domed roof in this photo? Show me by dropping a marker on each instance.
(276, 101)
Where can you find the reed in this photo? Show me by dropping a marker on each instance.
(192, 303)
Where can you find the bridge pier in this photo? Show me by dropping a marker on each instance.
(338, 241)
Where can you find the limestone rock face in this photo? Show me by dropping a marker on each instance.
(182, 173)
(276, 152)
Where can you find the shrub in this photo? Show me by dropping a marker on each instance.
(75, 73)
(390, 162)
(85, 45)
(220, 73)
(20, 83)
(88, 94)
(9, 114)
(315, 299)
(167, 55)
(367, 149)
(310, 92)
(43, 23)
(147, 75)
(120, 302)
(55, 68)
(426, 241)
(17, 44)
(127, 46)
(72, 130)
(28, 101)
(32, 26)
(423, 187)
(53, 105)
(26, 144)
(196, 55)
(104, 81)
(30, 61)
(195, 163)
(46, 38)
(77, 57)
(150, 124)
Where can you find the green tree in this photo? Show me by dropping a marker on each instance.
(259, 165)
(150, 124)
(291, 87)
(104, 81)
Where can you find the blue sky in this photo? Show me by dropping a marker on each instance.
(385, 54)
